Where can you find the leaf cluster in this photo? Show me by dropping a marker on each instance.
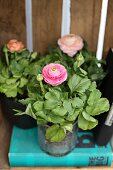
(16, 69)
(77, 99)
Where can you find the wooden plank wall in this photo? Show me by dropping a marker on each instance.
(12, 20)
(46, 22)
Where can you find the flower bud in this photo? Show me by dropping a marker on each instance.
(39, 77)
(34, 55)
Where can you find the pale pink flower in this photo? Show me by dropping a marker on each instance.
(70, 44)
(15, 46)
(54, 74)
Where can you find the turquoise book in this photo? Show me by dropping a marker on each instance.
(24, 151)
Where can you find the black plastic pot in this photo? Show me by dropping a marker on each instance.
(23, 121)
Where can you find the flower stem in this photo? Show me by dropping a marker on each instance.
(42, 88)
(7, 59)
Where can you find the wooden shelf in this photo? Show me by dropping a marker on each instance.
(5, 134)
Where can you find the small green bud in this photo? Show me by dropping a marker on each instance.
(39, 77)
(80, 57)
(80, 60)
(34, 55)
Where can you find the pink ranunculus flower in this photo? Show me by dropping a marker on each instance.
(15, 46)
(70, 44)
(54, 74)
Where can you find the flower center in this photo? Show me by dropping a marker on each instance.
(54, 69)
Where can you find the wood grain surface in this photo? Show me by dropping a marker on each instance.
(85, 16)
(46, 23)
(12, 20)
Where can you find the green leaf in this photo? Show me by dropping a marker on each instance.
(55, 118)
(86, 124)
(83, 85)
(73, 82)
(61, 111)
(73, 116)
(23, 82)
(94, 97)
(77, 102)
(100, 106)
(53, 94)
(30, 112)
(11, 80)
(27, 101)
(67, 126)
(15, 67)
(88, 117)
(83, 71)
(43, 114)
(5, 72)
(2, 79)
(67, 105)
(55, 133)
(92, 86)
(83, 97)
(38, 105)
(23, 63)
(9, 90)
(41, 121)
(78, 84)
(50, 104)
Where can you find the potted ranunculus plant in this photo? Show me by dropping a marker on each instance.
(14, 78)
(67, 50)
(63, 99)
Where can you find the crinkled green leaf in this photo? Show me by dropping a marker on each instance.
(86, 124)
(94, 97)
(73, 116)
(92, 86)
(59, 110)
(53, 95)
(55, 133)
(78, 84)
(15, 67)
(50, 104)
(5, 72)
(41, 121)
(67, 126)
(2, 79)
(27, 101)
(55, 118)
(77, 102)
(11, 80)
(83, 85)
(67, 105)
(43, 114)
(23, 82)
(83, 71)
(29, 111)
(24, 63)
(9, 90)
(83, 97)
(100, 106)
(38, 105)
(88, 117)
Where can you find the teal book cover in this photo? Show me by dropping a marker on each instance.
(25, 151)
